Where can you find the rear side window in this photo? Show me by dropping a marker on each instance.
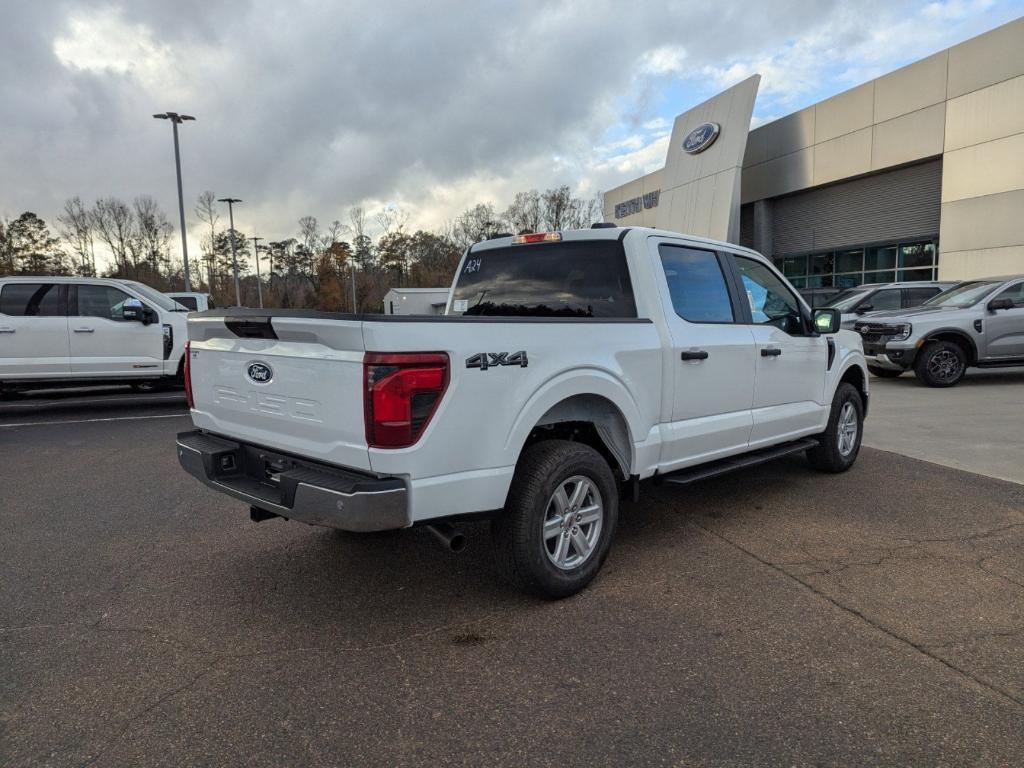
(696, 284)
(31, 300)
(918, 296)
(188, 301)
(889, 298)
(586, 278)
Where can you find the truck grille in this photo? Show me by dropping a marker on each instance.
(874, 333)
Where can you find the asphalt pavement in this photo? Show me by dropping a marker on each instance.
(781, 617)
(978, 425)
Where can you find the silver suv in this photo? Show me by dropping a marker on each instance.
(853, 303)
(978, 323)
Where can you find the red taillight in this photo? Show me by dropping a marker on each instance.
(186, 374)
(401, 391)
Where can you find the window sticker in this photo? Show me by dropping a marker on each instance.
(460, 305)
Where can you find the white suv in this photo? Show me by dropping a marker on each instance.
(72, 330)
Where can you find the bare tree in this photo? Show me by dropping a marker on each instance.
(557, 207)
(473, 225)
(206, 211)
(524, 212)
(151, 236)
(311, 240)
(76, 227)
(392, 219)
(335, 233)
(112, 220)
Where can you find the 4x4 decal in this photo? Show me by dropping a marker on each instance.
(485, 360)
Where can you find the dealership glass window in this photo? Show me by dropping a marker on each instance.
(822, 264)
(794, 266)
(851, 267)
(850, 261)
(880, 257)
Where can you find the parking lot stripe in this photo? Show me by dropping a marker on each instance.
(86, 421)
(137, 399)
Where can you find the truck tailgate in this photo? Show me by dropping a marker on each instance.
(294, 384)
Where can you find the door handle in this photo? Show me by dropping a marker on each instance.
(6, 330)
(698, 354)
(770, 351)
(84, 330)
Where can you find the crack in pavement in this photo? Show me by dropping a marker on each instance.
(146, 710)
(921, 649)
(977, 637)
(963, 539)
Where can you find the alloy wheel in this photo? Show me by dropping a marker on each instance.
(944, 365)
(846, 429)
(572, 522)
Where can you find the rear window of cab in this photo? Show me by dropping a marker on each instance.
(583, 278)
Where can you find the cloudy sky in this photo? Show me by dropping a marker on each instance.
(308, 107)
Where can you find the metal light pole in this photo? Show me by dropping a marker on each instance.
(175, 119)
(256, 252)
(234, 256)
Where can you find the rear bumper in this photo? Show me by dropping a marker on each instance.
(293, 488)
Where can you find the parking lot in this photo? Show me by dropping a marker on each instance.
(794, 618)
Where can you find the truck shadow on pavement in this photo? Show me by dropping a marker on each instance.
(919, 561)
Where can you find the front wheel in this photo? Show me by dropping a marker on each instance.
(884, 373)
(941, 364)
(557, 526)
(839, 444)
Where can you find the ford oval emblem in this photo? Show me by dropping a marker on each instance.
(701, 137)
(259, 373)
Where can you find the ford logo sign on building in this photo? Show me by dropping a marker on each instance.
(260, 373)
(701, 137)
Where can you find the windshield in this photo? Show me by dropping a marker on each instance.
(847, 299)
(582, 278)
(164, 302)
(964, 295)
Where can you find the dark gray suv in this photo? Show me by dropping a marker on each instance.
(854, 303)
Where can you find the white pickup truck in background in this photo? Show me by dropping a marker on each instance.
(568, 367)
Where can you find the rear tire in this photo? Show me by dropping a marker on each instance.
(884, 373)
(941, 364)
(840, 442)
(559, 520)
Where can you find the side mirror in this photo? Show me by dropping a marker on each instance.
(864, 308)
(132, 309)
(997, 304)
(827, 320)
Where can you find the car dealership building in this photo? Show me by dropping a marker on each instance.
(916, 175)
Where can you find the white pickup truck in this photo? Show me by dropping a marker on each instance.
(568, 367)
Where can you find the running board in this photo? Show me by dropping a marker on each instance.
(731, 464)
